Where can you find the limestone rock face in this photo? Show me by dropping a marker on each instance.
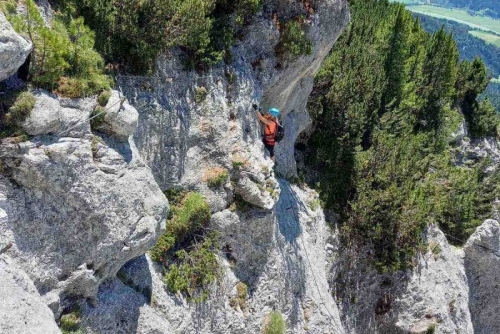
(434, 294)
(279, 255)
(59, 117)
(288, 89)
(482, 265)
(76, 208)
(13, 49)
(190, 123)
(120, 309)
(21, 309)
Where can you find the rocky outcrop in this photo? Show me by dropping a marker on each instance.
(289, 88)
(77, 205)
(21, 309)
(432, 296)
(59, 117)
(482, 265)
(191, 123)
(14, 49)
(120, 118)
(280, 257)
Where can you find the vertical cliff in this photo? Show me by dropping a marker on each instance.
(82, 206)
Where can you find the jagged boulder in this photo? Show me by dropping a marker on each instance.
(77, 208)
(14, 49)
(60, 117)
(21, 309)
(279, 256)
(120, 118)
(482, 265)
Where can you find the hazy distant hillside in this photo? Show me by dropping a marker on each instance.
(468, 45)
(488, 7)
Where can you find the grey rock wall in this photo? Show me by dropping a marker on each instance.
(77, 205)
(279, 255)
(482, 265)
(22, 310)
(289, 88)
(13, 49)
(434, 294)
(180, 136)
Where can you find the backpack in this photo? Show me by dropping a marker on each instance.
(280, 133)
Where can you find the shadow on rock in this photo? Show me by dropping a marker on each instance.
(288, 236)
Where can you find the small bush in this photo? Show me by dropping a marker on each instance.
(239, 204)
(188, 254)
(69, 87)
(189, 213)
(175, 195)
(63, 57)
(21, 108)
(216, 177)
(70, 323)
(164, 243)
(200, 94)
(8, 6)
(195, 270)
(293, 40)
(435, 249)
(276, 324)
(104, 98)
(240, 299)
(431, 329)
(94, 145)
(238, 163)
(242, 290)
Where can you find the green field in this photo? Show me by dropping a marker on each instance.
(458, 15)
(486, 36)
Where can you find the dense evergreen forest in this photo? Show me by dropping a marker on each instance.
(470, 47)
(384, 105)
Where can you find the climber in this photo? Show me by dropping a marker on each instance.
(271, 127)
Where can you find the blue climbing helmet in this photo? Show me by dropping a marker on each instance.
(274, 112)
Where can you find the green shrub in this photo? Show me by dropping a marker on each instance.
(189, 254)
(195, 270)
(63, 58)
(70, 323)
(21, 108)
(240, 299)
(189, 213)
(293, 39)
(276, 324)
(242, 290)
(8, 6)
(104, 98)
(484, 120)
(238, 162)
(200, 94)
(216, 177)
(431, 329)
(164, 243)
(239, 204)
